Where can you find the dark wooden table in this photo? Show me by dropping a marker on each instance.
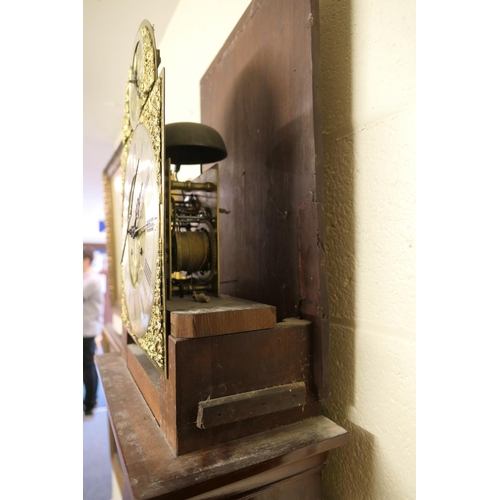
(282, 463)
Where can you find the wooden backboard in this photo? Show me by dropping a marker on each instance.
(261, 93)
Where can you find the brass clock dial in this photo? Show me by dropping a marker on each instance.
(141, 230)
(143, 72)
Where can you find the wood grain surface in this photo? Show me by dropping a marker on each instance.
(261, 93)
(221, 316)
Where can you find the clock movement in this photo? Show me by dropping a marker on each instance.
(193, 210)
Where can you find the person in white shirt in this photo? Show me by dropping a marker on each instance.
(93, 316)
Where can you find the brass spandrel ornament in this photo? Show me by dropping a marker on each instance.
(142, 76)
(150, 61)
(127, 128)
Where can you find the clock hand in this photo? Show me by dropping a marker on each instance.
(130, 198)
(148, 224)
(138, 205)
(133, 229)
(136, 86)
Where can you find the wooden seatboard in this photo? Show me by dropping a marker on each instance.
(221, 316)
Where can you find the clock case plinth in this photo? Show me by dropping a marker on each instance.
(232, 372)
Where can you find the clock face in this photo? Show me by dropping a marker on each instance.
(141, 222)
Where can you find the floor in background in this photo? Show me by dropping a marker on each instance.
(96, 454)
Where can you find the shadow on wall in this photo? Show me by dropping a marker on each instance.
(349, 470)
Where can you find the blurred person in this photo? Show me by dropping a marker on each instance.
(93, 312)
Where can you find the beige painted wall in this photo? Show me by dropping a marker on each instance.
(189, 46)
(187, 49)
(368, 96)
